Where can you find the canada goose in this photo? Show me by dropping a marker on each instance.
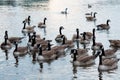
(115, 43)
(107, 64)
(96, 45)
(64, 12)
(69, 43)
(92, 18)
(109, 53)
(59, 36)
(27, 20)
(42, 24)
(80, 52)
(46, 55)
(84, 60)
(20, 51)
(6, 45)
(29, 29)
(84, 40)
(76, 36)
(104, 26)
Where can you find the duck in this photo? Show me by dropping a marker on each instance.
(76, 36)
(29, 29)
(65, 12)
(69, 43)
(42, 24)
(84, 61)
(109, 53)
(84, 40)
(58, 38)
(27, 20)
(114, 43)
(107, 64)
(92, 18)
(104, 26)
(6, 45)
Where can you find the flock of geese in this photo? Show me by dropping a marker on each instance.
(42, 50)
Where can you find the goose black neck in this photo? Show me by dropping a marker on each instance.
(30, 37)
(100, 59)
(49, 46)
(84, 35)
(24, 25)
(63, 40)
(33, 41)
(44, 21)
(60, 31)
(16, 46)
(94, 33)
(77, 34)
(40, 50)
(94, 15)
(97, 54)
(103, 52)
(74, 55)
(93, 41)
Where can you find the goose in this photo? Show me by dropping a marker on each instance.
(104, 26)
(114, 43)
(58, 38)
(76, 36)
(46, 55)
(6, 45)
(109, 53)
(27, 20)
(96, 45)
(92, 18)
(64, 12)
(84, 40)
(107, 64)
(80, 52)
(42, 24)
(20, 51)
(29, 29)
(84, 60)
(69, 43)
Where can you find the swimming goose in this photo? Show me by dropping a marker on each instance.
(96, 45)
(20, 51)
(6, 45)
(109, 53)
(84, 60)
(64, 12)
(46, 55)
(76, 36)
(104, 26)
(107, 64)
(42, 24)
(92, 18)
(84, 40)
(80, 52)
(59, 36)
(115, 43)
(29, 29)
(69, 43)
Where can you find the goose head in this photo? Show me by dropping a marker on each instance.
(77, 30)
(44, 20)
(94, 14)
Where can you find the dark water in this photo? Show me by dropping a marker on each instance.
(13, 12)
